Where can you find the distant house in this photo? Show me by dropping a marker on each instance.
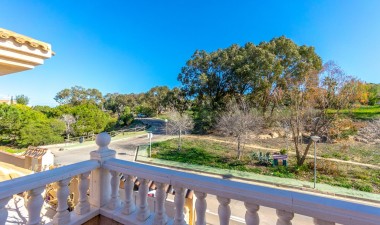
(38, 159)
(6, 100)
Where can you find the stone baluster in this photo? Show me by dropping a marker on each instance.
(251, 215)
(143, 212)
(62, 216)
(83, 205)
(4, 210)
(129, 206)
(179, 202)
(100, 178)
(284, 217)
(224, 210)
(322, 222)
(34, 205)
(160, 218)
(200, 208)
(115, 183)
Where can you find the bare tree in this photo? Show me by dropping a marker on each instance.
(314, 103)
(179, 124)
(68, 119)
(238, 121)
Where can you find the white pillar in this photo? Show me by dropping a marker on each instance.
(114, 203)
(251, 215)
(179, 202)
(62, 216)
(3, 210)
(83, 205)
(200, 208)
(143, 208)
(224, 210)
(34, 205)
(129, 206)
(160, 217)
(322, 222)
(284, 217)
(100, 186)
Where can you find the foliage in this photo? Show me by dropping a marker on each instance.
(261, 73)
(78, 95)
(25, 126)
(262, 159)
(22, 99)
(89, 119)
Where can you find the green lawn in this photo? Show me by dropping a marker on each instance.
(363, 112)
(223, 156)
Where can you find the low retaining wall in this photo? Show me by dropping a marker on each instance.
(12, 159)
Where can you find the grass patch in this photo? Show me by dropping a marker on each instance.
(223, 155)
(12, 150)
(363, 112)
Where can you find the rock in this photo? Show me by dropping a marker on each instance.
(274, 134)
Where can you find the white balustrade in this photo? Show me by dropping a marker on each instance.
(104, 199)
(160, 217)
(251, 215)
(34, 205)
(129, 206)
(224, 210)
(322, 222)
(143, 209)
(3, 209)
(115, 183)
(200, 207)
(179, 201)
(62, 216)
(284, 217)
(83, 205)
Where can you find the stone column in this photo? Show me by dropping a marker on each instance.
(100, 186)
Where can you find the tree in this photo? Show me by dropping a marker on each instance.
(263, 73)
(11, 121)
(41, 131)
(22, 99)
(238, 121)
(175, 100)
(314, 102)
(68, 119)
(179, 123)
(291, 65)
(78, 95)
(89, 119)
(156, 98)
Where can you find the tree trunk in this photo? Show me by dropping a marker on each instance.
(238, 150)
(302, 159)
(179, 140)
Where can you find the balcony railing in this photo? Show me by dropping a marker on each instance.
(101, 176)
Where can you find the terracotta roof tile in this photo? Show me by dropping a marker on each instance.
(35, 152)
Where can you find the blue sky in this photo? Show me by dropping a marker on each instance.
(131, 46)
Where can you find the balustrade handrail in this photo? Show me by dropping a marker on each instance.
(29, 182)
(309, 204)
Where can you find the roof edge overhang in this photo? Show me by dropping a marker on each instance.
(19, 52)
